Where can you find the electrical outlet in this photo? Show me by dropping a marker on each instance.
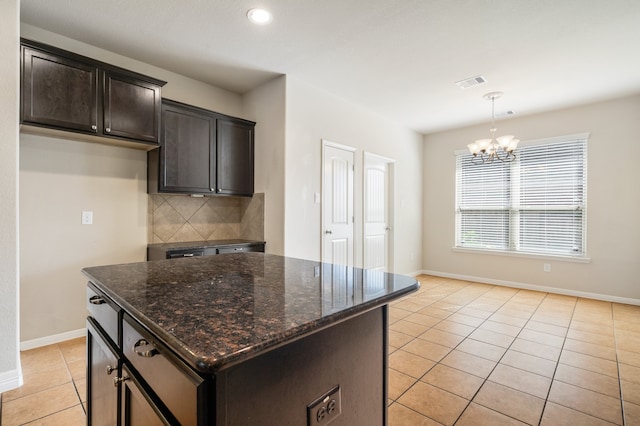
(87, 218)
(546, 267)
(325, 409)
(316, 271)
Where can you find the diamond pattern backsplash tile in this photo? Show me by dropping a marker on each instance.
(177, 218)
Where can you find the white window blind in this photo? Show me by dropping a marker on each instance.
(535, 204)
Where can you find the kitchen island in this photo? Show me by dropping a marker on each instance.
(239, 339)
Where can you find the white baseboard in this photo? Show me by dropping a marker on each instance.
(50, 340)
(556, 290)
(10, 380)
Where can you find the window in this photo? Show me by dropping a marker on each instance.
(535, 204)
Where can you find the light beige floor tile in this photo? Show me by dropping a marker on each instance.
(454, 327)
(606, 352)
(546, 328)
(396, 313)
(510, 402)
(38, 381)
(409, 328)
(508, 319)
(521, 380)
(466, 319)
(540, 350)
(74, 350)
(479, 313)
(77, 369)
(422, 319)
(39, 359)
(39, 405)
(70, 416)
(410, 364)
(586, 401)
(399, 383)
(481, 349)
(471, 364)
(399, 415)
(476, 415)
(530, 363)
(427, 349)
(629, 358)
(591, 328)
(557, 415)
(442, 337)
(81, 389)
(452, 380)
(398, 340)
(630, 391)
(492, 338)
(544, 338)
(435, 312)
(631, 414)
(585, 336)
(408, 305)
(588, 362)
(435, 403)
(629, 373)
(498, 327)
(588, 379)
(552, 319)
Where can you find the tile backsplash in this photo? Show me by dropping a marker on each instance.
(177, 218)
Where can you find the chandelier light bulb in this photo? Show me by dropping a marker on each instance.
(500, 148)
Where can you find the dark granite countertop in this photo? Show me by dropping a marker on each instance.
(216, 311)
(204, 244)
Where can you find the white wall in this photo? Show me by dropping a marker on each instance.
(266, 106)
(10, 375)
(313, 115)
(60, 178)
(612, 212)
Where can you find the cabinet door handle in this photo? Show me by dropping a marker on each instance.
(110, 370)
(108, 130)
(97, 300)
(118, 380)
(144, 353)
(94, 127)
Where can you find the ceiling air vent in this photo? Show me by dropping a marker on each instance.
(470, 82)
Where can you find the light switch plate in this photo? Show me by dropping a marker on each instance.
(87, 218)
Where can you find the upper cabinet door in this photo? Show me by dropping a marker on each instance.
(187, 150)
(235, 157)
(131, 108)
(59, 92)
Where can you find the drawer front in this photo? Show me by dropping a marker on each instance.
(240, 249)
(104, 311)
(175, 385)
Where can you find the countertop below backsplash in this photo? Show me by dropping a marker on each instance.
(181, 218)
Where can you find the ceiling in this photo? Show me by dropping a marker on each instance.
(397, 58)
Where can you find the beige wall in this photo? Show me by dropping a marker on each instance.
(10, 375)
(266, 106)
(313, 115)
(612, 212)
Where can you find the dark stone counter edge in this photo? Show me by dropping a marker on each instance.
(209, 365)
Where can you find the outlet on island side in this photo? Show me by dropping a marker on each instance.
(325, 409)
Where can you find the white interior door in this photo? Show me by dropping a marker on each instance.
(337, 204)
(378, 213)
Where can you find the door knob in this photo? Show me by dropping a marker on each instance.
(328, 231)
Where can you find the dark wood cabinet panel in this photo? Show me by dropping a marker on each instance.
(202, 152)
(59, 92)
(187, 150)
(68, 92)
(137, 407)
(235, 161)
(103, 363)
(131, 108)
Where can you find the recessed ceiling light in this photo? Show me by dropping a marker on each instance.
(259, 16)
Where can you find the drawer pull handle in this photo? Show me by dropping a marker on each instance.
(118, 380)
(144, 353)
(110, 369)
(97, 300)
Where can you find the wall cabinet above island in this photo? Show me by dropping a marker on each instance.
(65, 92)
(202, 152)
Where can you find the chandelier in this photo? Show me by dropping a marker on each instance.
(501, 148)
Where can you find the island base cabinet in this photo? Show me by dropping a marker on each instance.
(102, 391)
(276, 388)
(137, 407)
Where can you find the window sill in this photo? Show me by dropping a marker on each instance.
(574, 259)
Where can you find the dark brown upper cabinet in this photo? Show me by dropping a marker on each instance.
(202, 152)
(65, 91)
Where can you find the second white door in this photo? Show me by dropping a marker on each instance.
(378, 213)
